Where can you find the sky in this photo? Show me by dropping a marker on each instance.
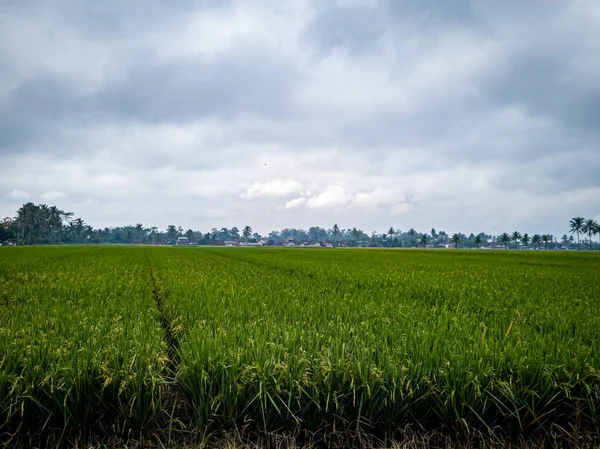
(464, 116)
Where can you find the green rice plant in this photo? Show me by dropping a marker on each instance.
(79, 340)
(374, 340)
(358, 341)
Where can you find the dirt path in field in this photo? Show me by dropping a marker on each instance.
(176, 413)
(169, 337)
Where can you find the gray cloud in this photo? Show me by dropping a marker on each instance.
(210, 113)
(246, 82)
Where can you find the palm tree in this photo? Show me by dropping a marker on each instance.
(189, 234)
(536, 240)
(478, 240)
(26, 218)
(525, 239)
(411, 233)
(247, 232)
(588, 228)
(546, 238)
(79, 224)
(43, 221)
(456, 239)
(597, 231)
(576, 226)
(336, 231)
(565, 240)
(505, 239)
(424, 240)
(56, 221)
(171, 232)
(138, 230)
(516, 236)
(355, 234)
(88, 232)
(391, 233)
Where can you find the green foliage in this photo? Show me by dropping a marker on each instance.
(79, 339)
(286, 338)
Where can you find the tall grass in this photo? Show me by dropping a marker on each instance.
(276, 339)
(79, 340)
(375, 340)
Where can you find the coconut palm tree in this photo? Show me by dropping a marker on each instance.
(536, 240)
(515, 237)
(576, 226)
(597, 231)
(412, 233)
(335, 230)
(546, 238)
(355, 234)
(525, 239)
(456, 239)
(424, 240)
(478, 240)
(588, 228)
(78, 224)
(505, 239)
(391, 233)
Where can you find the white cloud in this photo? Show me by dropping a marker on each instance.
(272, 189)
(332, 196)
(378, 196)
(16, 194)
(52, 195)
(295, 203)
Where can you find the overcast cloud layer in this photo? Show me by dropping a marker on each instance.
(463, 116)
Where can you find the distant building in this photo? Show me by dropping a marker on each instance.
(259, 243)
(182, 241)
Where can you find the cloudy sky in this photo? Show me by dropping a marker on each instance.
(459, 115)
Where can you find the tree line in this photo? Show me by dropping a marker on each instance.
(42, 224)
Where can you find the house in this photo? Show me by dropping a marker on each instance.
(182, 241)
(230, 243)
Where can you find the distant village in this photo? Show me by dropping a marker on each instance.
(42, 224)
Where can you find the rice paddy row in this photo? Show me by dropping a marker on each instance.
(287, 339)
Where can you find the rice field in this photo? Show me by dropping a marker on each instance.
(203, 340)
